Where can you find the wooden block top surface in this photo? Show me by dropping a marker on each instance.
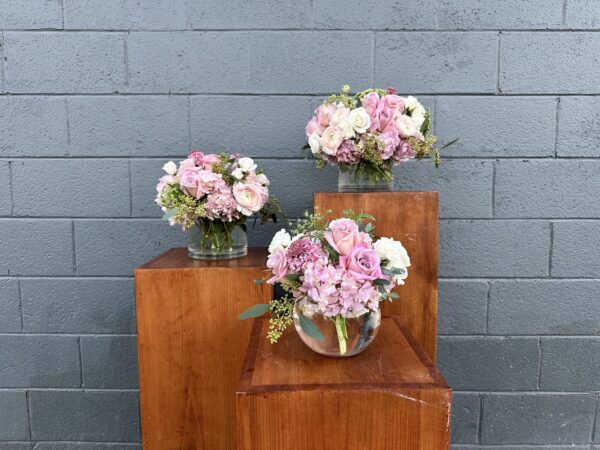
(177, 258)
(393, 361)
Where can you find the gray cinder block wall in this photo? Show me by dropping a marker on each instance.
(96, 95)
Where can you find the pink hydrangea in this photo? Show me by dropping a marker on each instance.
(348, 153)
(221, 206)
(403, 152)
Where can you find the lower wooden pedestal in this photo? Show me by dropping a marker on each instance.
(390, 397)
(191, 346)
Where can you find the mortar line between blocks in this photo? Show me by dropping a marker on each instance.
(487, 312)
(79, 349)
(62, 8)
(2, 65)
(595, 421)
(551, 250)
(28, 405)
(564, 12)
(540, 354)
(20, 303)
(373, 59)
(130, 189)
(437, 15)
(493, 199)
(126, 58)
(556, 127)
(498, 54)
(73, 247)
(189, 119)
(480, 421)
(68, 126)
(10, 187)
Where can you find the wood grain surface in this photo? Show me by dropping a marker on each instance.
(191, 346)
(412, 218)
(390, 397)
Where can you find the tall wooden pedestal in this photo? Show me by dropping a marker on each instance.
(412, 218)
(390, 397)
(191, 346)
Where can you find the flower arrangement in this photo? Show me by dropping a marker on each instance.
(369, 132)
(215, 194)
(339, 270)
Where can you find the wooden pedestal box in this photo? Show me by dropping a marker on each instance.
(191, 346)
(390, 397)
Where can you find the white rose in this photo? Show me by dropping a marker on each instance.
(315, 143)
(406, 126)
(246, 164)
(170, 168)
(392, 251)
(360, 120)
(280, 240)
(262, 179)
(237, 174)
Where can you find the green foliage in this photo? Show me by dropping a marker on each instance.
(180, 207)
(282, 311)
(309, 327)
(255, 311)
(272, 210)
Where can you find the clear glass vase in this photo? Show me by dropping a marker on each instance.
(350, 180)
(343, 337)
(214, 239)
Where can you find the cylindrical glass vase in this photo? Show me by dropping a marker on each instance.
(343, 337)
(215, 239)
(350, 180)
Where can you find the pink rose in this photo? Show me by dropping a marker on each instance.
(209, 182)
(395, 103)
(185, 165)
(189, 182)
(370, 102)
(249, 196)
(343, 235)
(331, 140)
(324, 112)
(363, 263)
(278, 265)
(313, 127)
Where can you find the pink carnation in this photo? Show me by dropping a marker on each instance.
(303, 251)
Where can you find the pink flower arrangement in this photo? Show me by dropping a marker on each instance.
(339, 269)
(370, 132)
(210, 187)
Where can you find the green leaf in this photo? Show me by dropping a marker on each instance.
(449, 144)
(426, 123)
(369, 227)
(381, 282)
(258, 281)
(310, 328)
(255, 311)
(170, 213)
(393, 295)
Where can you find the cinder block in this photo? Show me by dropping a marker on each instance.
(36, 247)
(537, 418)
(387, 14)
(481, 248)
(33, 126)
(78, 305)
(116, 247)
(39, 361)
(144, 177)
(310, 62)
(547, 63)
(570, 364)
(582, 14)
(188, 62)
(578, 122)
(125, 14)
(257, 126)
(10, 319)
(128, 126)
(61, 62)
(84, 446)
(489, 364)
(576, 249)
(465, 418)
(14, 421)
(544, 307)
(462, 307)
(508, 14)
(89, 416)
(551, 188)
(506, 126)
(75, 187)
(455, 62)
(109, 362)
(5, 195)
(239, 14)
(455, 180)
(30, 14)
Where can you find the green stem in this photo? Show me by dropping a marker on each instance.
(342, 332)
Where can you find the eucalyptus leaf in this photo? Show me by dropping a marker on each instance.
(170, 213)
(381, 282)
(393, 295)
(310, 328)
(255, 311)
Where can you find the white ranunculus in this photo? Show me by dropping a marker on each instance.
(314, 141)
(246, 164)
(406, 126)
(237, 174)
(393, 251)
(415, 110)
(281, 239)
(360, 120)
(411, 103)
(170, 168)
(339, 116)
(418, 119)
(262, 179)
